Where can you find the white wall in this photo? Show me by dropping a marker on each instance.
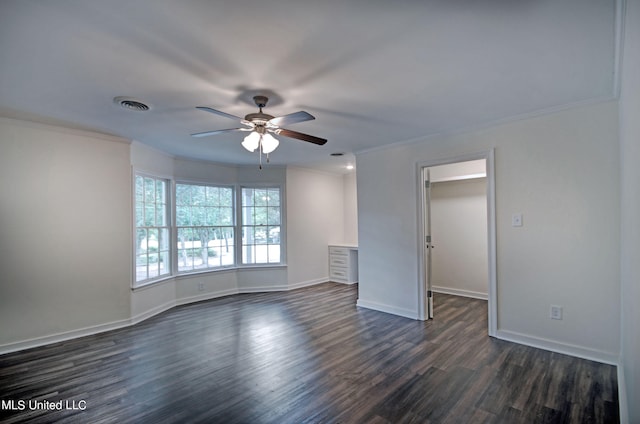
(459, 234)
(315, 208)
(561, 171)
(65, 233)
(630, 230)
(350, 218)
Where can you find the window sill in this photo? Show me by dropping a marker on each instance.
(148, 284)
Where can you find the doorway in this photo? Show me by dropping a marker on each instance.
(455, 177)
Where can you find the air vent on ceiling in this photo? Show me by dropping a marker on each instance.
(336, 154)
(131, 104)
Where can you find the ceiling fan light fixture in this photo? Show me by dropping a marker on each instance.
(252, 141)
(269, 143)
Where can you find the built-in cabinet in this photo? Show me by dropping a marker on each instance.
(343, 264)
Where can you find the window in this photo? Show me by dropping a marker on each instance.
(153, 259)
(205, 227)
(261, 223)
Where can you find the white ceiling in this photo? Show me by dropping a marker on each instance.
(371, 72)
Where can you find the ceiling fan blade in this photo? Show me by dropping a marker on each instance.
(291, 118)
(208, 133)
(300, 136)
(221, 113)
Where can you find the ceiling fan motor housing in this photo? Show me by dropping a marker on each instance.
(261, 101)
(258, 118)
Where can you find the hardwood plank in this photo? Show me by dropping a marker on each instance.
(307, 356)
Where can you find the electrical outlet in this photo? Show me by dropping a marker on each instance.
(201, 286)
(556, 312)
(516, 220)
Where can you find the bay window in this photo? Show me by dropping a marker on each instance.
(203, 227)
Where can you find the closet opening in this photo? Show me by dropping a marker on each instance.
(457, 237)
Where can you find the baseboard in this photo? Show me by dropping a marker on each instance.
(622, 396)
(407, 313)
(152, 312)
(460, 292)
(101, 328)
(308, 283)
(263, 289)
(554, 346)
(63, 336)
(205, 296)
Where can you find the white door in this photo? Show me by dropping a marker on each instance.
(428, 246)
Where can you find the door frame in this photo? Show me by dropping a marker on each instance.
(491, 233)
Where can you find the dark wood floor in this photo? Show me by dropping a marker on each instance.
(307, 356)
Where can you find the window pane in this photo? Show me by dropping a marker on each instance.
(149, 215)
(160, 215)
(149, 190)
(161, 191)
(226, 216)
(163, 244)
(213, 195)
(139, 189)
(198, 215)
(260, 197)
(197, 195)
(274, 253)
(139, 215)
(274, 197)
(182, 215)
(260, 235)
(141, 239)
(183, 194)
(212, 215)
(273, 235)
(259, 215)
(226, 196)
(248, 254)
(273, 215)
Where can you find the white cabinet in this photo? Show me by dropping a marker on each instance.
(343, 264)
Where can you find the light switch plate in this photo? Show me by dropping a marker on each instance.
(516, 220)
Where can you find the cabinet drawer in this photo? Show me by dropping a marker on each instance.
(336, 260)
(336, 250)
(338, 273)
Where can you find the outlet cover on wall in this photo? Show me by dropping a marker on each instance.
(200, 286)
(516, 220)
(556, 312)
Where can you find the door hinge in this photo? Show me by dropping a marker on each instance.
(429, 293)
(427, 184)
(427, 239)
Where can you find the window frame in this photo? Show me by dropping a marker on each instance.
(240, 224)
(168, 212)
(234, 226)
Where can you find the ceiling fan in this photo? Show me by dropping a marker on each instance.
(262, 125)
